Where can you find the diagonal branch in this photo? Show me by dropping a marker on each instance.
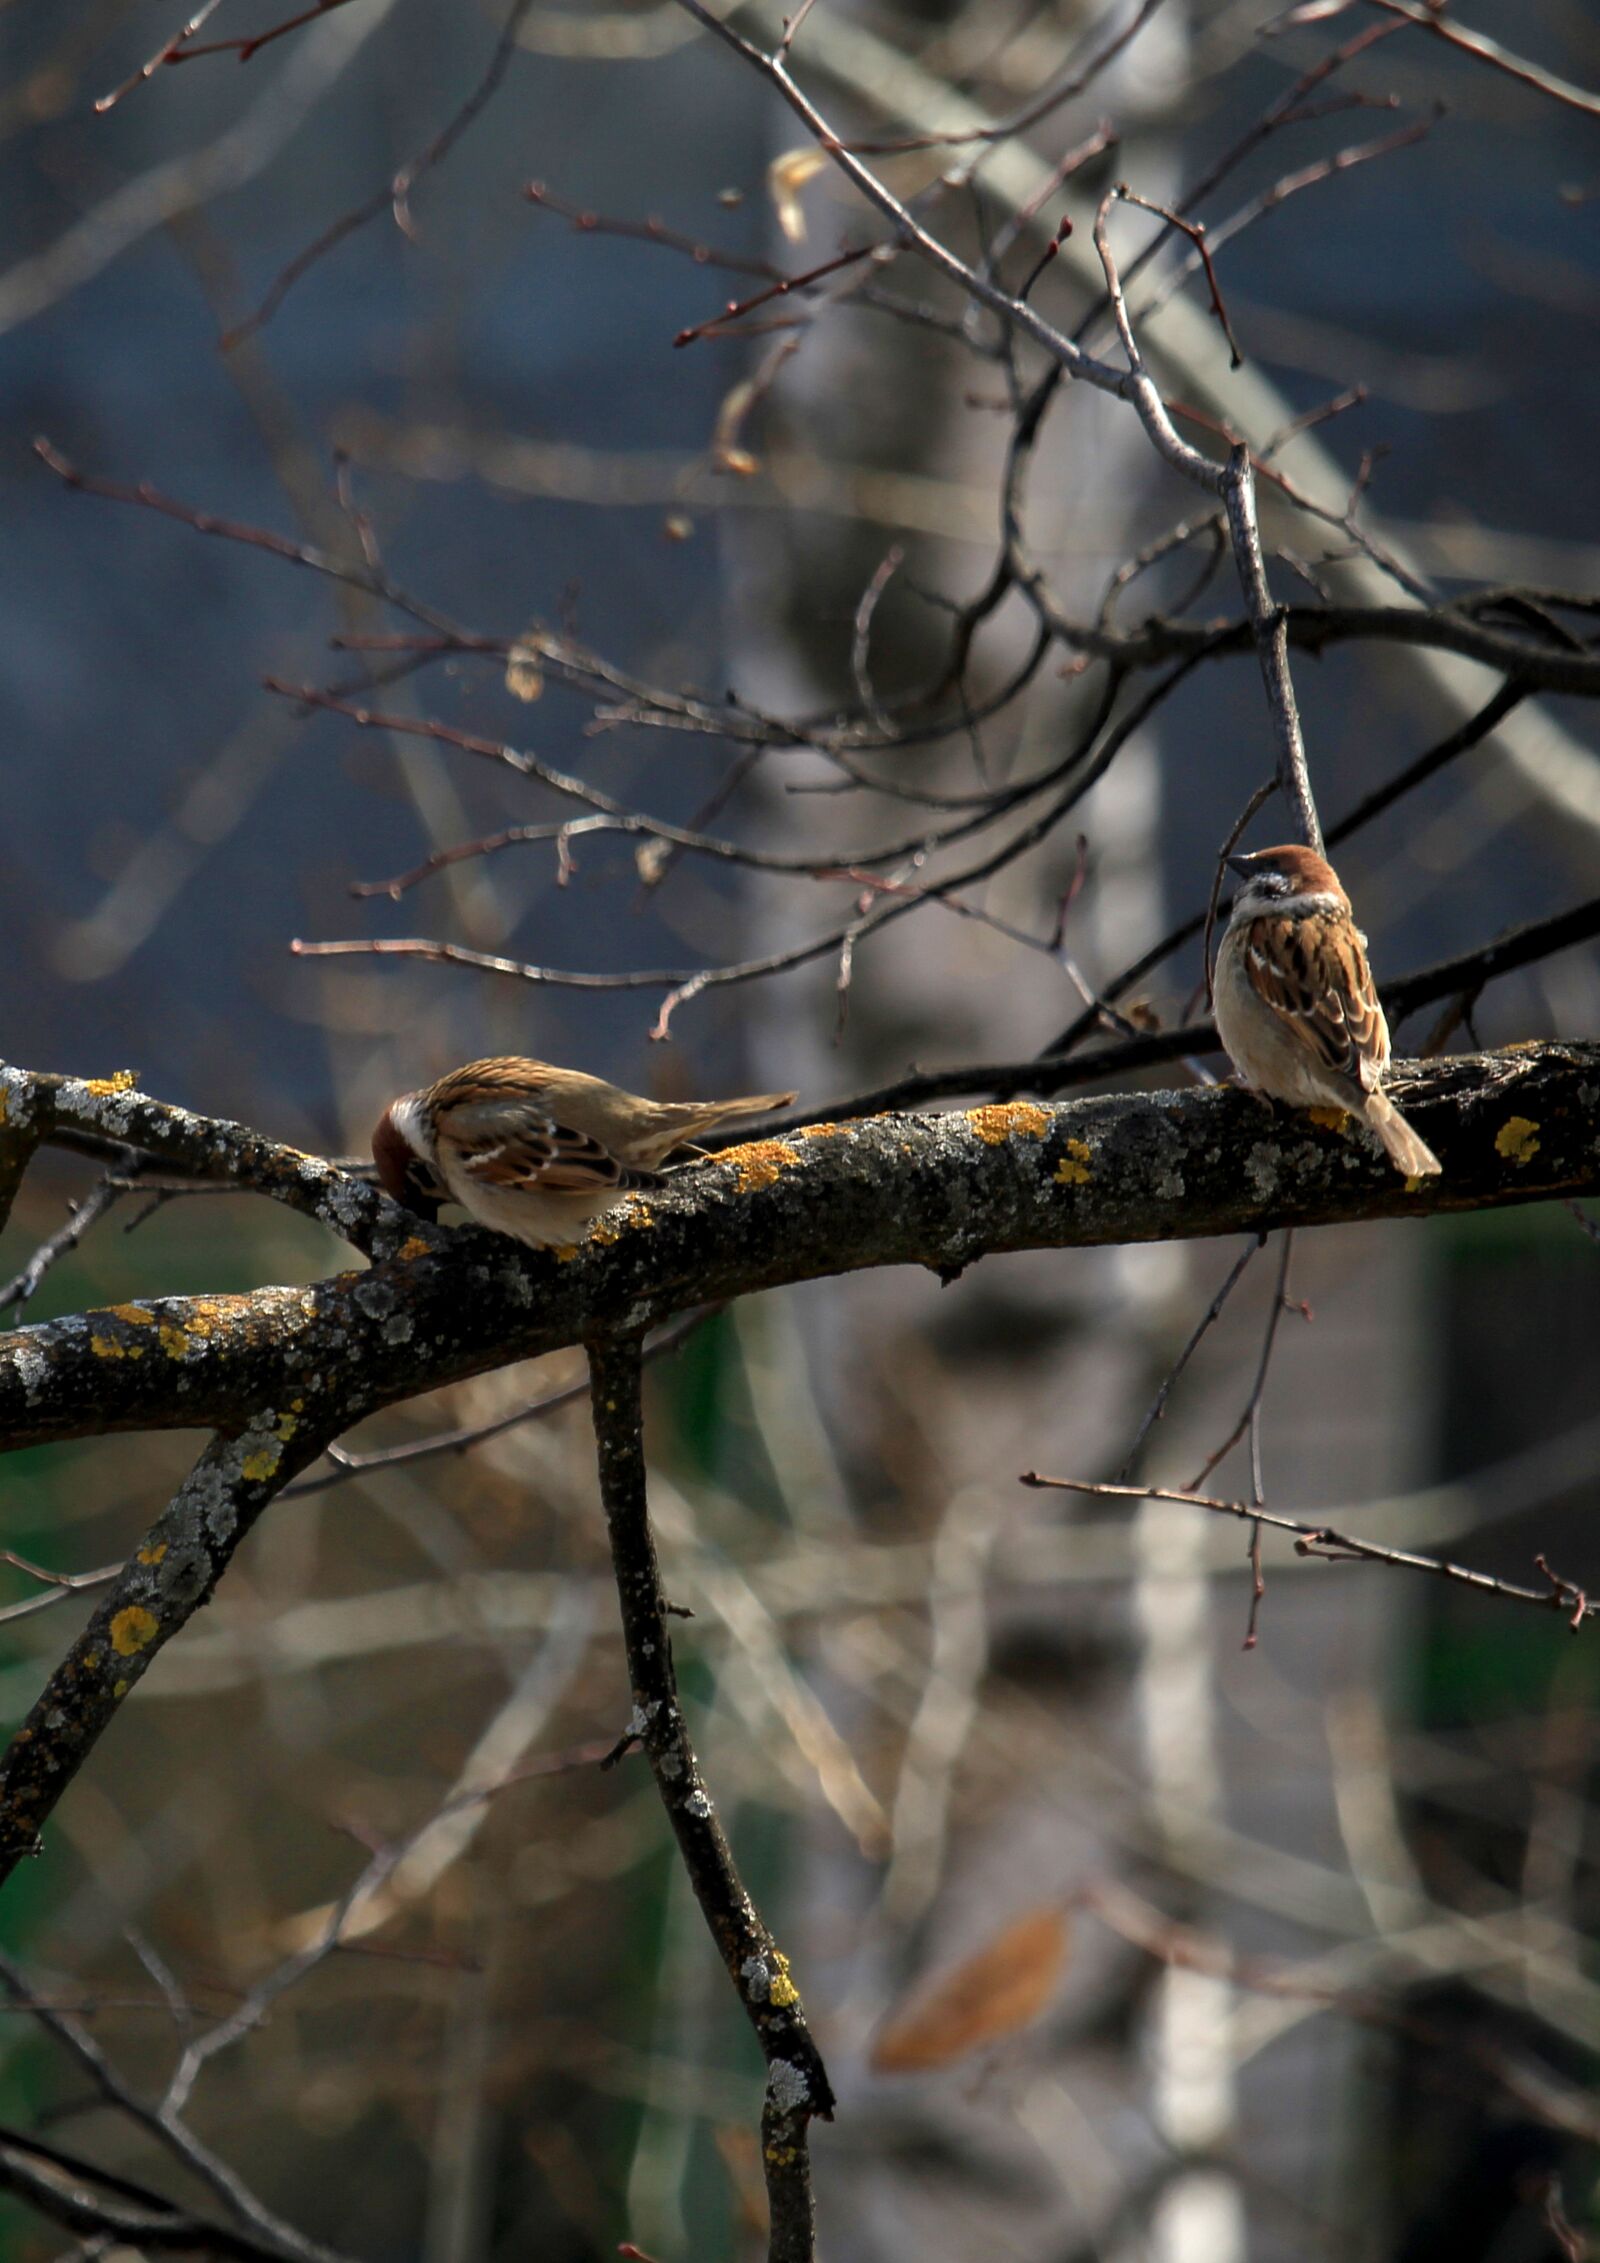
(113, 2215)
(798, 2090)
(263, 2231)
(165, 1581)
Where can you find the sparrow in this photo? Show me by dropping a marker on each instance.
(535, 1151)
(1295, 1003)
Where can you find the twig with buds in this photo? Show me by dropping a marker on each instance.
(1329, 1545)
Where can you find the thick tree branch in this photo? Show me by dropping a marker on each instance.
(109, 1112)
(798, 2089)
(934, 1190)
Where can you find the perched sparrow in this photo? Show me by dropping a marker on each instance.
(1296, 1007)
(534, 1151)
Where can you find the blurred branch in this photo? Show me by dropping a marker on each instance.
(798, 2090)
(180, 184)
(395, 195)
(111, 2214)
(1482, 49)
(871, 70)
(263, 2231)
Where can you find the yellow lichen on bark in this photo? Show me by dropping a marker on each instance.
(1515, 1140)
(1073, 1168)
(1009, 1119)
(108, 1347)
(133, 1630)
(759, 1163)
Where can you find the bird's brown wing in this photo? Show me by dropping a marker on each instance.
(1312, 971)
(507, 1141)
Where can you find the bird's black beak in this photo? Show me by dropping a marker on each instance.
(1243, 865)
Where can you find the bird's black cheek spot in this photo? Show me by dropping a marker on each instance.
(423, 1193)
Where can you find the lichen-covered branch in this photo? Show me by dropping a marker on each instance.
(939, 1191)
(798, 2090)
(172, 1572)
(37, 1108)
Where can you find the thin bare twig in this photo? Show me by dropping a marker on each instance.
(396, 194)
(1330, 1545)
(24, 1285)
(1483, 49)
(1158, 1405)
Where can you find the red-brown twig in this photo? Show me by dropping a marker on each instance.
(396, 194)
(1195, 231)
(247, 49)
(716, 325)
(1329, 1545)
(169, 53)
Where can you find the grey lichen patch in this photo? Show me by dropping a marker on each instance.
(514, 1283)
(346, 1205)
(376, 1298)
(1162, 1153)
(209, 1499)
(756, 1974)
(1262, 1167)
(109, 1106)
(398, 1328)
(17, 1098)
(697, 1804)
(33, 1369)
(787, 2086)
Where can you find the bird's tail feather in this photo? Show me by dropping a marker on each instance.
(1406, 1149)
(697, 1116)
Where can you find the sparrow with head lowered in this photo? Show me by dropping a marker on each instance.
(1295, 1002)
(534, 1151)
